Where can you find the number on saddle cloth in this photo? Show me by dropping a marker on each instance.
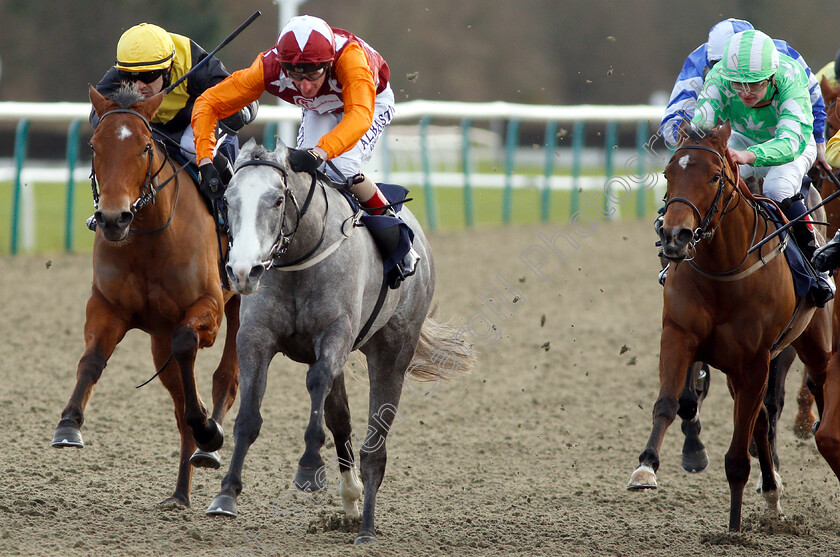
(392, 236)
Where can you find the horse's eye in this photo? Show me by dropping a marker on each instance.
(148, 148)
(279, 201)
(716, 178)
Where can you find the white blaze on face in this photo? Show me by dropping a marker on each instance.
(683, 162)
(247, 249)
(123, 133)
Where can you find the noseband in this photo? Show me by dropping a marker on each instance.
(703, 232)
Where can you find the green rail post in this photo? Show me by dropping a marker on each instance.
(550, 145)
(270, 136)
(577, 152)
(465, 165)
(510, 149)
(610, 146)
(72, 157)
(20, 156)
(641, 141)
(431, 213)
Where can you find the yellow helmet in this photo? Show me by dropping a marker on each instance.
(144, 48)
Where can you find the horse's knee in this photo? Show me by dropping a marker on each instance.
(687, 408)
(91, 366)
(737, 469)
(666, 408)
(184, 341)
(247, 427)
(828, 441)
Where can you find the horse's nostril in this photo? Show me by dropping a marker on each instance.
(256, 272)
(684, 236)
(100, 219)
(125, 218)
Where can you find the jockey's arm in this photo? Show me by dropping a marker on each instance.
(220, 101)
(359, 92)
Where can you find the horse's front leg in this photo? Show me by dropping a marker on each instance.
(104, 329)
(225, 383)
(675, 355)
(255, 349)
(748, 386)
(331, 350)
(197, 330)
(697, 381)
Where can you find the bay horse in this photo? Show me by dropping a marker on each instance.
(155, 268)
(324, 296)
(727, 307)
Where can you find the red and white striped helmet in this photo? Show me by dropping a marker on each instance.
(306, 40)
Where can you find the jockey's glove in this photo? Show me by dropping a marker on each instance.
(211, 182)
(304, 160)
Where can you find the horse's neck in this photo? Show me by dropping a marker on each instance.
(735, 233)
(157, 213)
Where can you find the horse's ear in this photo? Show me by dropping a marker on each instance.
(281, 151)
(97, 100)
(829, 93)
(149, 107)
(723, 131)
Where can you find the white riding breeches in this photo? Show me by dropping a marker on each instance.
(315, 125)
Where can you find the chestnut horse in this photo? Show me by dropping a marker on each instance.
(155, 268)
(726, 307)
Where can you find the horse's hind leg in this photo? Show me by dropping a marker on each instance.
(770, 483)
(225, 383)
(334, 348)
(103, 331)
(170, 376)
(805, 417)
(774, 399)
(697, 380)
(337, 418)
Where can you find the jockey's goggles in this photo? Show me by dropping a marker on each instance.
(308, 76)
(747, 88)
(145, 77)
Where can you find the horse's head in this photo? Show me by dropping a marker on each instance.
(697, 178)
(123, 152)
(257, 199)
(832, 111)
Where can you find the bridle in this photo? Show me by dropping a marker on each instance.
(148, 192)
(705, 230)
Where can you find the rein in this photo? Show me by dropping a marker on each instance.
(148, 192)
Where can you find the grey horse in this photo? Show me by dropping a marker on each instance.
(312, 286)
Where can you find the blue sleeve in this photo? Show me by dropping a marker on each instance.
(683, 99)
(814, 91)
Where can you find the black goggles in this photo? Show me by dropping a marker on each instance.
(145, 77)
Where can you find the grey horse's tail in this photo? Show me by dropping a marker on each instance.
(442, 353)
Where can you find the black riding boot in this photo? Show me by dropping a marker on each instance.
(807, 243)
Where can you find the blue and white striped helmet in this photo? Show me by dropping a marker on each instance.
(720, 33)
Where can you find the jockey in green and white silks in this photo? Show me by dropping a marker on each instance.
(776, 126)
(764, 96)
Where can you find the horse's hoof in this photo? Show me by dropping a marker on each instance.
(203, 459)
(695, 462)
(362, 539)
(213, 441)
(222, 505)
(642, 478)
(175, 502)
(311, 479)
(67, 436)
